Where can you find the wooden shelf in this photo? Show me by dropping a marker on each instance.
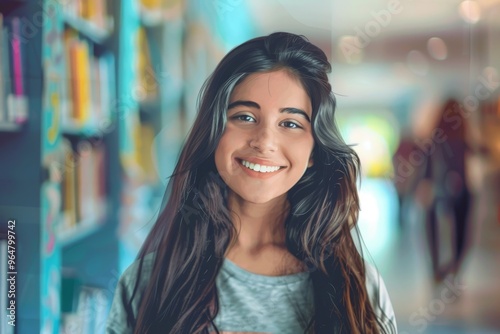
(81, 231)
(91, 30)
(73, 129)
(151, 18)
(84, 228)
(156, 17)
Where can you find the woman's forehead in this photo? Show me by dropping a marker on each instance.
(278, 86)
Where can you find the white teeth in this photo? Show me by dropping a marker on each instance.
(259, 168)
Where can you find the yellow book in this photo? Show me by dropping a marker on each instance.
(151, 4)
(69, 186)
(129, 138)
(147, 83)
(143, 139)
(81, 72)
(72, 75)
(89, 9)
(144, 153)
(69, 37)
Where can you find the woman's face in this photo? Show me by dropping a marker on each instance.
(267, 144)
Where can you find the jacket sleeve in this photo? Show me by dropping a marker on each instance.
(121, 308)
(380, 300)
(117, 317)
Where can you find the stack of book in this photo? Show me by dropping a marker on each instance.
(87, 96)
(13, 101)
(83, 185)
(84, 308)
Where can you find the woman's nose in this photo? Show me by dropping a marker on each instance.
(264, 140)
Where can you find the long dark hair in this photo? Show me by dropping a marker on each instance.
(194, 228)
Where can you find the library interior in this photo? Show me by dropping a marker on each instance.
(97, 98)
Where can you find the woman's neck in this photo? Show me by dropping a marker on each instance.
(259, 245)
(258, 225)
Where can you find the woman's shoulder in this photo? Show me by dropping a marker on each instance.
(124, 307)
(129, 277)
(379, 298)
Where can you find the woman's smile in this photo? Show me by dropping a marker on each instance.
(260, 171)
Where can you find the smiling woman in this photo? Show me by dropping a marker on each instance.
(255, 236)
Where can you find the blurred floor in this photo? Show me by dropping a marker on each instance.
(469, 303)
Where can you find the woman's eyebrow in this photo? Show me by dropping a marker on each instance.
(252, 104)
(291, 110)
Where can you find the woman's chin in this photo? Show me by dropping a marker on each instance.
(261, 197)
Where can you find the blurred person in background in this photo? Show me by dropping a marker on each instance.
(443, 190)
(406, 176)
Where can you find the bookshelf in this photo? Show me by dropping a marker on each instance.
(150, 107)
(20, 196)
(60, 170)
(90, 183)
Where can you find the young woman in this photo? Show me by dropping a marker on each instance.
(255, 235)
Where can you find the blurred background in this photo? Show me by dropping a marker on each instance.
(96, 98)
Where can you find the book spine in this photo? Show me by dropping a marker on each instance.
(2, 74)
(69, 198)
(6, 69)
(74, 96)
(16, 57)
(82, 74)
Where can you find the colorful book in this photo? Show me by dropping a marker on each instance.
(13, 102)
(69, 186)
(107, 73)
(16, 57)
(96, 89)
(152, 4)
(3, 74)
(6, 77)
(79, 59)
(147, 83)
(70, 36)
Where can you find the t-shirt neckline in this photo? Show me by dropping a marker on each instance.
(244, 275)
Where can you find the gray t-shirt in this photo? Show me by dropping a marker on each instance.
(264, 304)
(253, 303)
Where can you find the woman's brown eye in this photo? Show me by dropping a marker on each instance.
(292, 125)
(245, 118)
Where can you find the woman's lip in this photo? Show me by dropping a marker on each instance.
(260, 162)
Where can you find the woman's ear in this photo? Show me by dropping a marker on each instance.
(311, 161)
